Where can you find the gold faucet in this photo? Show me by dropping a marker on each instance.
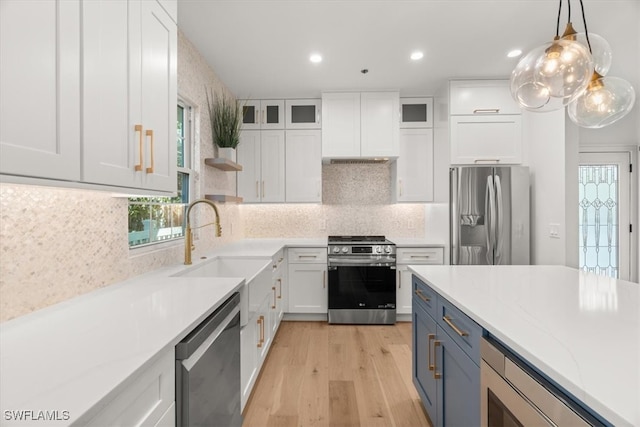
(188, 238)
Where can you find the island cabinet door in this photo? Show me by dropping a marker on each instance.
(424, 333)
(459, 386)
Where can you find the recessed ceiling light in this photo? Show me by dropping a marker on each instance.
(315, 58)
(417, 55)
(514, 53)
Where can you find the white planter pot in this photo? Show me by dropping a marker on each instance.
(227, 153)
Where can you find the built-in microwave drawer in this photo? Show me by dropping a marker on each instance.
(461, 328)
(426, 297)
(424, 255)
(307, 255)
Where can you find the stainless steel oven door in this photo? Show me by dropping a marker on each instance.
(362, 294)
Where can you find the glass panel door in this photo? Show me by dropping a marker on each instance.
(603, 213)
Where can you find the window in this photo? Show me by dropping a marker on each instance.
(160, 219)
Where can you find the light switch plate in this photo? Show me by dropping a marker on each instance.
(554, 231)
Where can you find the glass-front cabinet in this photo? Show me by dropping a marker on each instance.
(416, 112)
(262, 114)
(303, 113)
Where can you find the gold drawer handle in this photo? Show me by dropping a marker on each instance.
(273, 288)
(486, 111)
(436, 375)
(429, 338)
(421, 296)
(280, 288)
(149, 133)
(138, 128)
(460, 332)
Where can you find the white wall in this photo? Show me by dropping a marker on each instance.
(545, 135)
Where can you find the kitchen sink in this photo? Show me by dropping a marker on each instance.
(255, 271)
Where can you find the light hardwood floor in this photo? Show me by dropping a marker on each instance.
(318, 374)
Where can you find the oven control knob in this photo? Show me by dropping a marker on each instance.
(336, 249)
(387, 249)
(379, 249)
(345, 249)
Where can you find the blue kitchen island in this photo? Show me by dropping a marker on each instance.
(578, 331)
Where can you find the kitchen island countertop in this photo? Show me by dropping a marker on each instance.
(579, 329)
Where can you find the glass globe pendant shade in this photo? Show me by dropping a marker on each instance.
(600, 50)
(606, 100)
(551, 76)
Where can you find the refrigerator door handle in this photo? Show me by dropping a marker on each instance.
(454, 233)
(489, 214)
(500, 220)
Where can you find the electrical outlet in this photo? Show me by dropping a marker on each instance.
(554, 231)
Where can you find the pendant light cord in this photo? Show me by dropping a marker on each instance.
(584, 21)
(558, 22)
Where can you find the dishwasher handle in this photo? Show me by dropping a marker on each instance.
(211, 326)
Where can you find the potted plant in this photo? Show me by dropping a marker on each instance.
(226, 118)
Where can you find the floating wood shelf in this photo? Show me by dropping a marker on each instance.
(222, 198)
(223, 164)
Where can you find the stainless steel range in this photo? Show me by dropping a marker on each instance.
(362, 280)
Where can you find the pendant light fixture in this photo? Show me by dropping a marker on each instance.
(606, 99)
(553, 75)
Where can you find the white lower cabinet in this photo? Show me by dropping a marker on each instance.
(266, 310)
(308, 280)
(411, 256)
(145, 400)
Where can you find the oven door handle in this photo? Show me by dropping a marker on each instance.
(341, 262)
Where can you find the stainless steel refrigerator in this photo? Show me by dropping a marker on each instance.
(489, 207)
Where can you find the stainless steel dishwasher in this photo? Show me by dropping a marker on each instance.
(208, 370)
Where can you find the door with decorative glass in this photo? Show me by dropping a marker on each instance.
(604, 209)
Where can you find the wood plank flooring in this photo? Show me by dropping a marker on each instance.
(318, 374)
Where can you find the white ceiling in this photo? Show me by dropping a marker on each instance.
(261, 48)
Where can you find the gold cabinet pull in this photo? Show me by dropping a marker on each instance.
(263, 189)
(149, 133)
(460, 332)
(280, 288)
(261, 323)
(399, 280)
(486, 111)
(324, 280)
(257, 191)
(138, 128)
(437, 375)
(273, 288)
(429, 338)
(421, 296)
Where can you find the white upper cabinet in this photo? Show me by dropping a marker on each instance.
(485, 123)
(130, 95)
(262, 114)
(123, 55)
(360, 125)
(413, 171)
(303, 166)
(482, 97)
(416, 113)
(340, 125)
(303, 113)
(40, 89)
(261, 154)
(379, 124)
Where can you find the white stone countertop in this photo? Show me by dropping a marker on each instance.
(74, 356)
(412, 242)
(580, 329)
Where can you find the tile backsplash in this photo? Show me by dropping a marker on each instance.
(355, 200)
